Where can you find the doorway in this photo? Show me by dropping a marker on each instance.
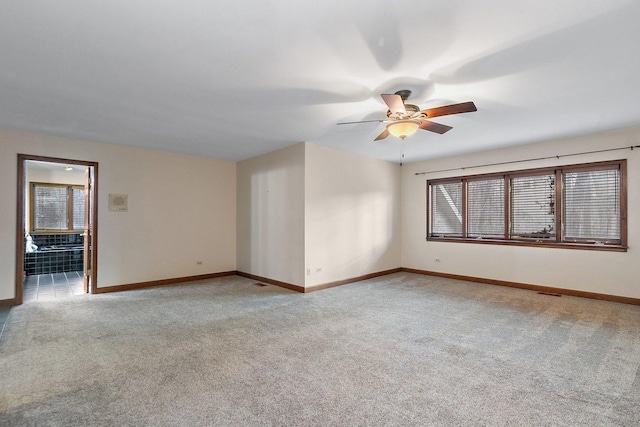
(56, 233)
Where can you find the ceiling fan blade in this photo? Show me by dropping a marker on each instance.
(394, 102)
(434, 127)
(464, 107)
(383, 135)
(361, 121)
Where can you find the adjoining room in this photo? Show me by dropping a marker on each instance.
(54, 221)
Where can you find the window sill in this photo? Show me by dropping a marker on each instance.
(540, 244)
(34, 232)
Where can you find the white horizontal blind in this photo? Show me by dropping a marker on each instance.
(50, 208)
(446, 209)
(533, 206)
(592, 205)
(486, 208)
(78, 208)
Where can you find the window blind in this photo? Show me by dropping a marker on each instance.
(485, 199)
(521, 208)
(533, 206)
(78, 208)
(446, 209)
(50, 208)
(592, 205)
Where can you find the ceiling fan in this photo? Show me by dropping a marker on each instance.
(405, 119)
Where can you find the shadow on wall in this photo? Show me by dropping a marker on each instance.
(276, 224)
(354, 234)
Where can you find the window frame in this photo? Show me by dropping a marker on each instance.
(456, 180)
(558, 241)
(70, 210)
(466, 210)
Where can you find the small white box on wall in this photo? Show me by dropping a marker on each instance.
(118, 202)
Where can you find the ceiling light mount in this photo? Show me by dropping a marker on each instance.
(404, 94)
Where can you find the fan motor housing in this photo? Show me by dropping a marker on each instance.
(412, 112)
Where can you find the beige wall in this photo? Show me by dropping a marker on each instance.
(309, 215)
(613, 273)
(352, 221)
(307, 208)
(181, 210)
(271, 215)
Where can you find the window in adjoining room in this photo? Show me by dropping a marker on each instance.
(56, 207)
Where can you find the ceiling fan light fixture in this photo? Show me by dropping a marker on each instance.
(403, 128)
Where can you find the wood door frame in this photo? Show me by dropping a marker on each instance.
(20, 219)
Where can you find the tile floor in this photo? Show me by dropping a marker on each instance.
(46, 287)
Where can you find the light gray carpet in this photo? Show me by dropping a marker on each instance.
(402, 349)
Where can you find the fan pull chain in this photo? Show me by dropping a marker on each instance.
(402, 157)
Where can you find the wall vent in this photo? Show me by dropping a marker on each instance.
(550, 294)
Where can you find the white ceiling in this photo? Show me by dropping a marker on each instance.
(232, 80)
(75, 173)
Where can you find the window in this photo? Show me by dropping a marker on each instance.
(57, 207)
(447, 201)
(486, 208)
(533, 206)
(592, 205)
(78, 207)
(579, 206)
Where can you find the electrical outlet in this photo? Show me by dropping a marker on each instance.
(437, 259)
(198, 262)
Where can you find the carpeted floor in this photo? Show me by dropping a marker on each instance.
(402, 349)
